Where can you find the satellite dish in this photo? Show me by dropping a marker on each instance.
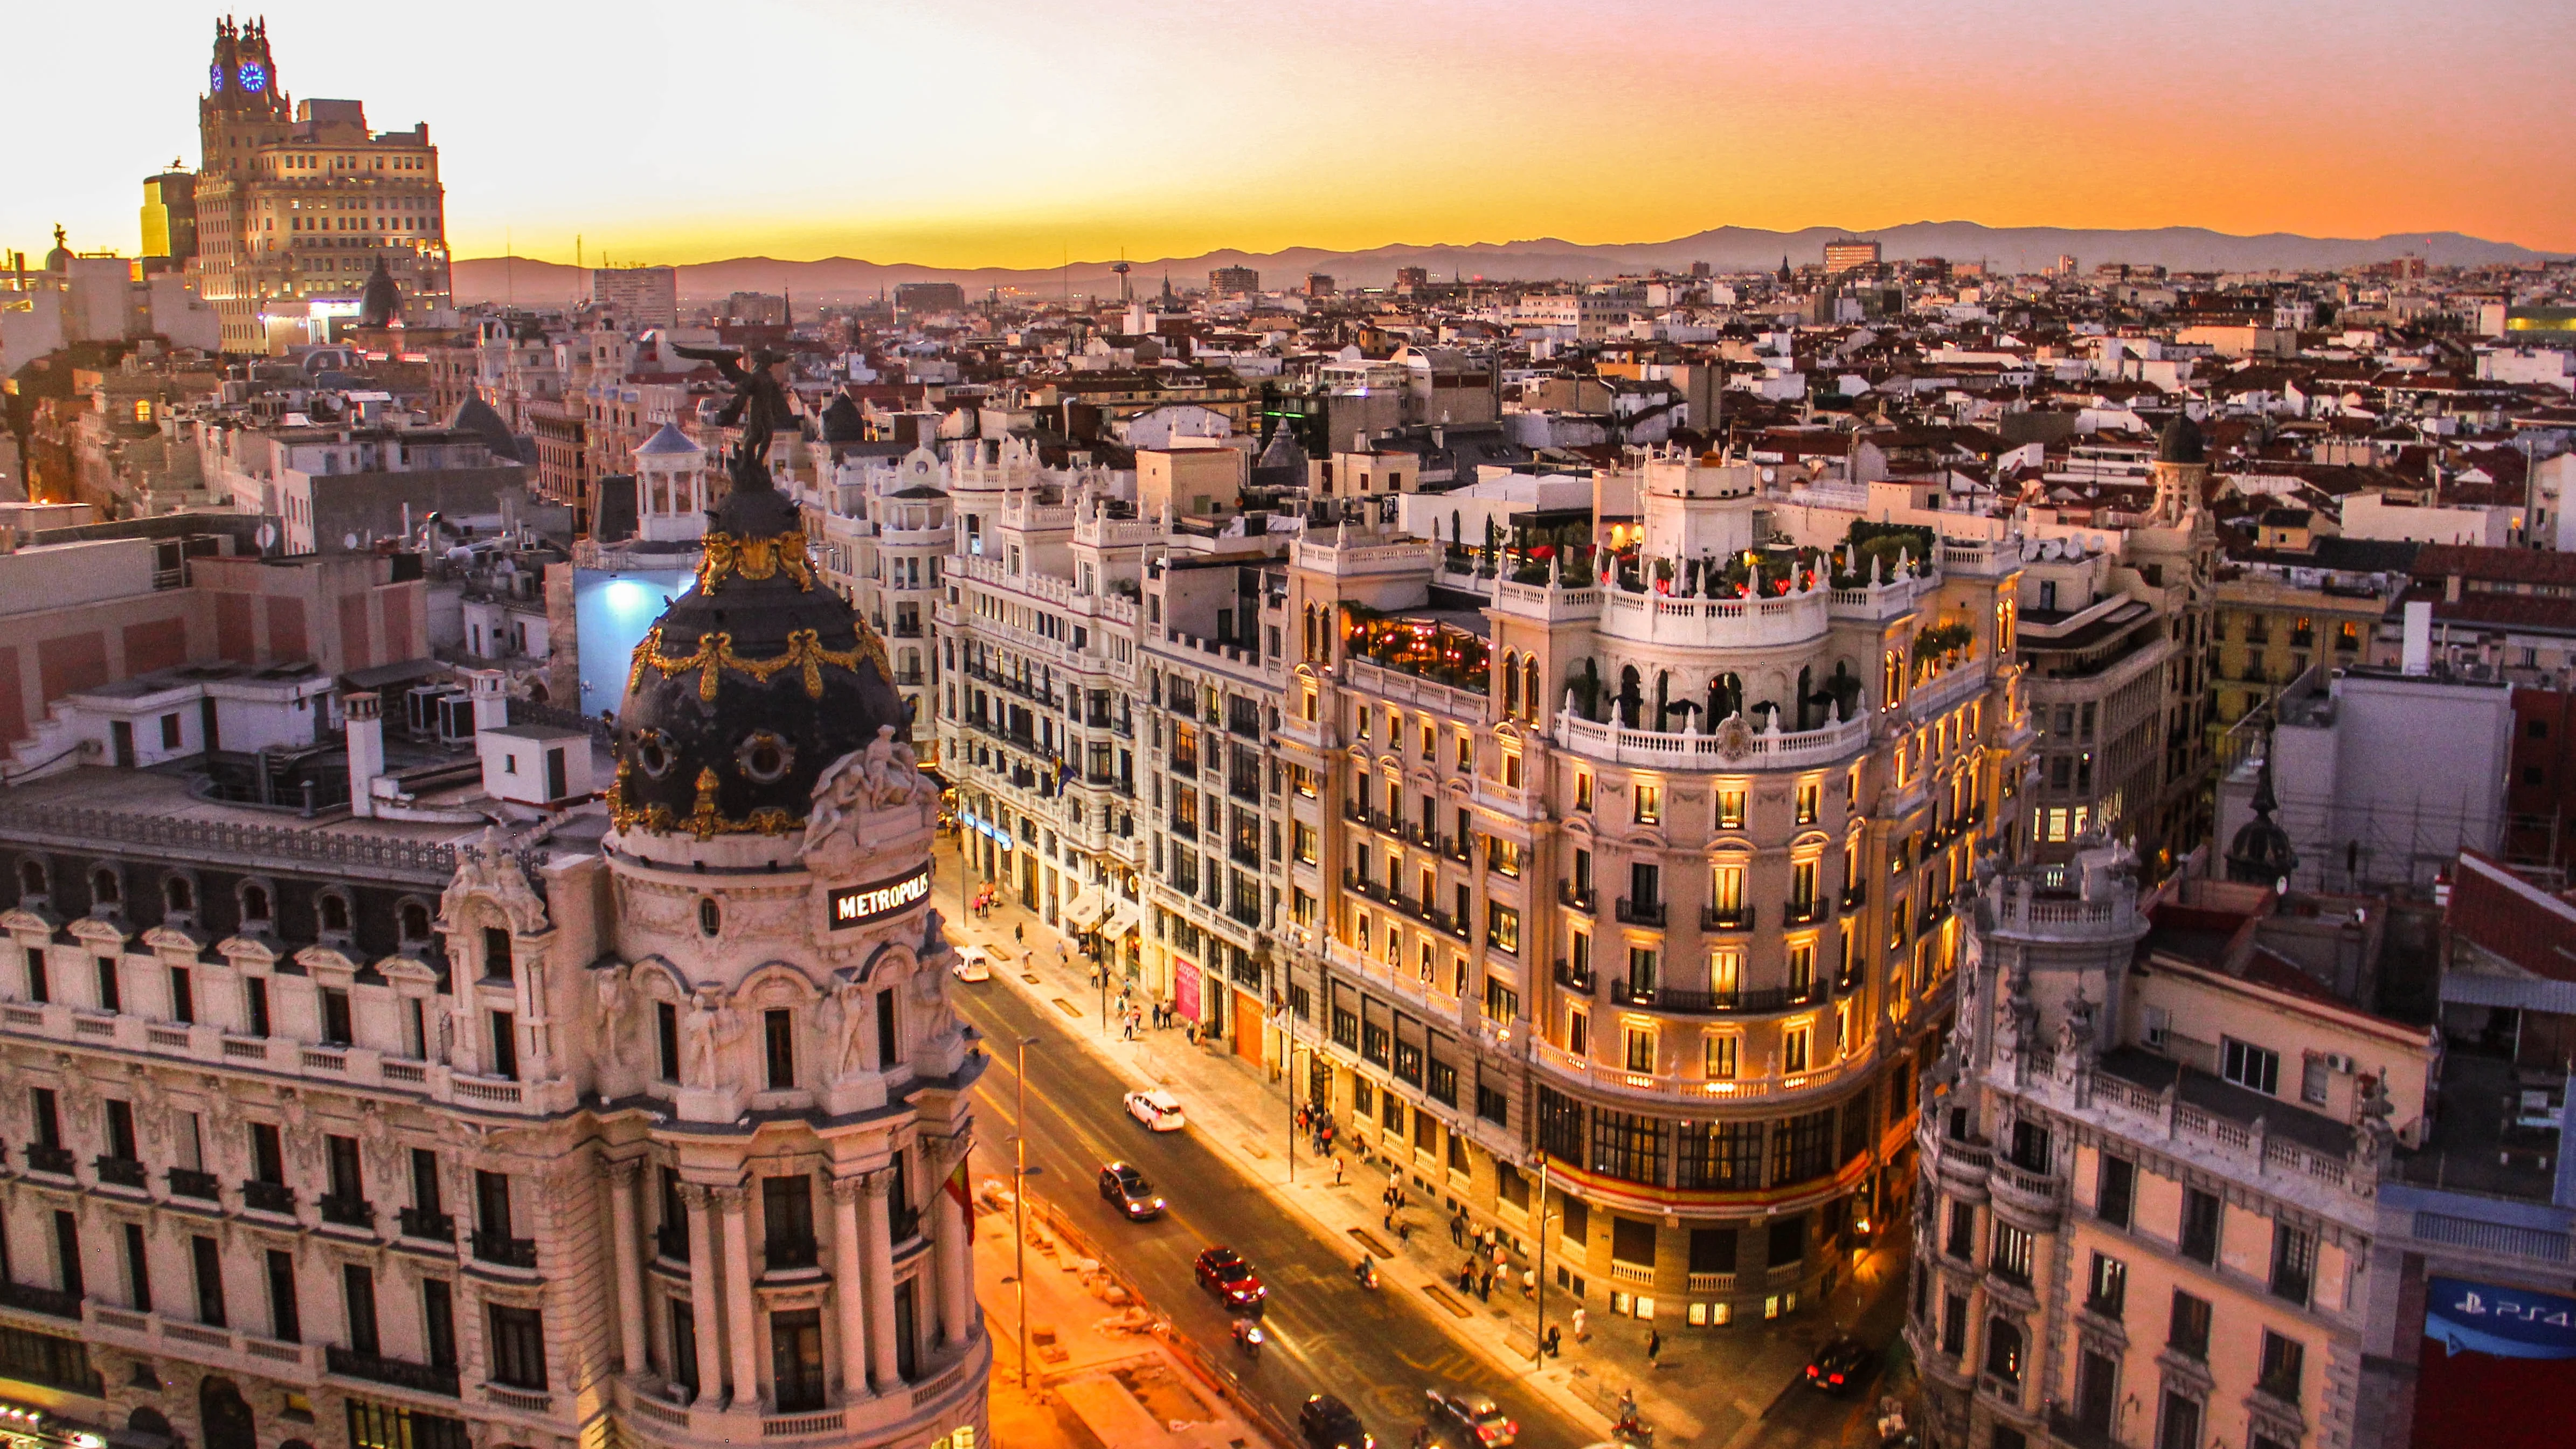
(266, 537)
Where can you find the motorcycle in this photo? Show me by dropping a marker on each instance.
(1366, 1273)
(1634, 1431)
(1248, 1336)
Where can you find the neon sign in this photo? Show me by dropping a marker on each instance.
(858, 905)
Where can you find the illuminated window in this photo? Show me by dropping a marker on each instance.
(1650, 804)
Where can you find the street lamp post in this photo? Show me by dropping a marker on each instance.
(1020, 1201)
(1538, 1331)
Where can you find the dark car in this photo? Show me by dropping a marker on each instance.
(1230, 1279)
(1470, 1419)
(1126, 1188)
(1328, 1423)
(1839, 1366)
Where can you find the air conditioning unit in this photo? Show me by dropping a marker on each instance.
(2338, 1062)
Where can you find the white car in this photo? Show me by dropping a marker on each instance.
(972, 964)
(1157, 1109)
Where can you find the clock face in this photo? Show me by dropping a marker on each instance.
(215, 76)
(254, 76)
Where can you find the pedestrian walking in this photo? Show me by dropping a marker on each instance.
(1554, 1349)
(1457, 1233)
(1389, 1223)
(1485, 1286)
(1529, 1283)
(1580, 1318)
(1654, 1346)
(1337, 1162)
(1020, 933)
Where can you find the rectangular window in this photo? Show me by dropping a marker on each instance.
(183, 995)
(666, 1029)
(684, 1345)
(1802, 1148)
(505, 1046)
(39, 981)
(1492, 1104)
(2294, 1263)
(1730, 807)
(2250, 1066)
(267, 1157)
(2107, 1290)
(2180, 1428)
(255, 996)
(358, 1300)
(111, 995)
(340, 1160)
(1650, 804)
(778, 1041)
(2188, 1333)
(209, 1264)
(796, 1360)
(2283, 1361)
(1793, 1047)
(2199, 1236)
(2012, 1253)
(1560, 1126)
(138, 1270)
(1962, 1242)
(1627, 1145)
(518, 1346)
(1954, 1327)
(1639, 1048)
(1724, 1053)
(286, 1322)
(336, 1026)
(496, 954)
(2116, 1191)
(438, 1322)
(1502, 927)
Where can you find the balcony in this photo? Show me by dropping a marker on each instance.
(57, 1160)
(1640, 913)
(51, 1302)
(1801, 913)
(121, 1171)
(349, 1212)
(507, 1251)
(1573, 980)
(189, 1182)
(1576, 898)
(402, 1374)
(1691, 1002)
(428, 1224)
(671, 1243)
(1856, 896)
(788, 1250)
(269, 1197)
(1726, 918)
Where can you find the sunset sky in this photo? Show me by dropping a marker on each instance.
(1018, 133)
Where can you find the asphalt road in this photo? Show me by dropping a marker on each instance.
(1377, 1350)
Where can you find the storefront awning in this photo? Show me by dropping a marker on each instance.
(1121, 922)
(1083, 909)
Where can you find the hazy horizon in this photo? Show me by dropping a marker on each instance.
(1017, 134)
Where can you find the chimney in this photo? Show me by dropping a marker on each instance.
(365, 711)
(2419, 637)
(490, 688)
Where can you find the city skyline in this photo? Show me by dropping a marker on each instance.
(1026, 137)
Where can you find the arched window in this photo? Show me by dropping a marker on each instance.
(710, 916)
(1529, 686)
(31, 877)
(179, 893)
(334, 909)
(1511, 685)
(414, 921)
(104, 887)
(255, 907)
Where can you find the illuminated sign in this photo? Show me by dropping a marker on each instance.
(858, 905)
(2505, 1322)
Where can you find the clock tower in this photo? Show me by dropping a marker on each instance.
(243, 109)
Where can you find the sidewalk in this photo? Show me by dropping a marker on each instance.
(1098, 1373)
(1710, 1387)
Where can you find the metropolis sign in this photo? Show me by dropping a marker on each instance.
(858, 905)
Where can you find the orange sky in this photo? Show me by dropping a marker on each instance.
(1018, 132)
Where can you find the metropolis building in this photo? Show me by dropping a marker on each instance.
(645, 1126)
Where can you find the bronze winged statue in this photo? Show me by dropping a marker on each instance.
(761, 403)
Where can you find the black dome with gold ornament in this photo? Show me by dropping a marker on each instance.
(750, 685)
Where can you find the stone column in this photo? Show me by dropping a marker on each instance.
(849, 1286)
(956, 1264)
(742, 1343)
(880, 1292)
(621, 1176)
(702, 1295)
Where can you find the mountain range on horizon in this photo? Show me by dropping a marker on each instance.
(1725, 249)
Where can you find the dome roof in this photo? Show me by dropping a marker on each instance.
(669, 442)
(381, 304)
(2261, 853)
(749, 686)
(2181, 442)
(474, 415)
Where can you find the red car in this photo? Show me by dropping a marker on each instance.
(1230, 1279)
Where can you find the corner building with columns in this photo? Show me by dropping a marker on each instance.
(1621, 906)
(646, 1126)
